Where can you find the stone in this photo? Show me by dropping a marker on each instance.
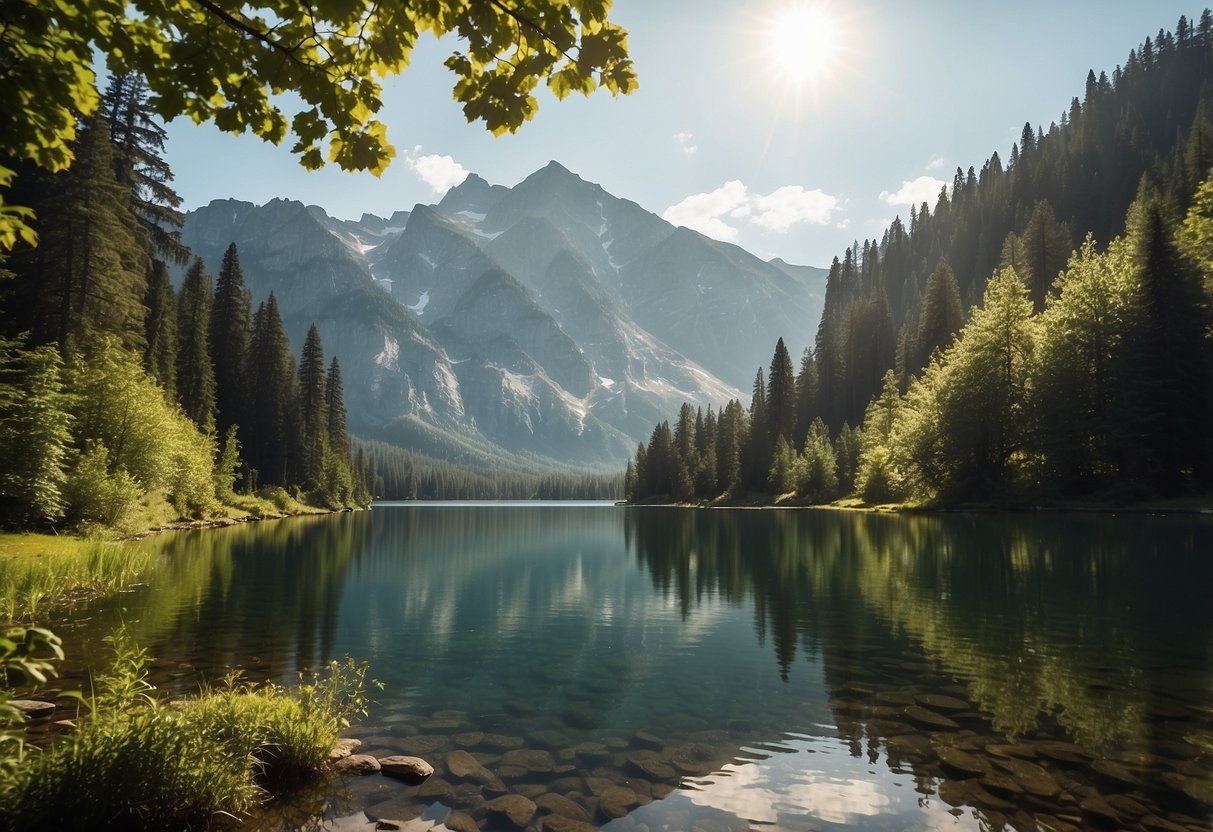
(651, 768)
(910, 745)
(1001, 784)
(1127, 806)
(409, 769)
(464, 766)
(557, 804)
(548, 738)
(1115, 771)
(560, 823)
(468, 739)
(938, 702)
(1153, 823)
(356, 765)
(1034, 779)
(1024, 752)
(1063, 752)
(1099, 810)
(591, 753)
(616, 801)
(515, 808)
(581, 715)
(458, 821)
(435, 788)
(344, 747)
(529, 759)
(961, 763)
(394, 808)
(643, 739)
(598, 785)
(33, 708)
(501, 742)
(423, 744)
(954, 793)
(929, 719)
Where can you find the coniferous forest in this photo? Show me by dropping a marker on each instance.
(1082, 368)
(119, 392)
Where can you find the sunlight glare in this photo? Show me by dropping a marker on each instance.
(803, 42)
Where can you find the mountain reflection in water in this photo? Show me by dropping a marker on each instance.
(668, 668)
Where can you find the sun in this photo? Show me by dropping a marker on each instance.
(803, 42)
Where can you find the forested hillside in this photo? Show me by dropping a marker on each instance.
(123, 400)
(1083, 366)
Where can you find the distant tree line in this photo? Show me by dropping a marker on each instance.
(397, 473)
(891, 302)
(1107, 391)
(114, 387)
(1082, 368)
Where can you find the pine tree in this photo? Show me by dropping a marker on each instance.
(230, 341)
(195, 375)
(1046, 247)
(781, 395)
(807, 406)
(273, 440)
(160, 329)
(89, 274)
(139, 164)
(334, 404)
(35, 418)
(313, 413)
(942, 316)
(757, 448)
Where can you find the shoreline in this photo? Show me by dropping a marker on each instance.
(1143, 508)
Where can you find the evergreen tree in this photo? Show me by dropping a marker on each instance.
(942, 316)
(230, 341)
(88, 275)
(160, 329)
(757, 445)
(35, 418)
(334, 405)
(1046, 246)
(807, 407)
(139, 164)
(818, 469)
(271, 448)
(312, 409)
(781, 395)
(195, 374)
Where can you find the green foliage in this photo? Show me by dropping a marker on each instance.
(133, 440)
(97, 495)
(26, 657)
(782, 477)
(138, 763)
(34, 435)
(817, 480)
(160, 329)
(231, 64)
(195, 373)
(57, 571)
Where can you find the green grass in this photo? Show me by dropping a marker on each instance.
(38, 572)
(141, 763)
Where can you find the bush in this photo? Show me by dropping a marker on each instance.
(139, 763)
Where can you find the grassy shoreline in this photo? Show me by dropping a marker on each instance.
(1183, 505)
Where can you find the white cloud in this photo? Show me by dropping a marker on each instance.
(703, 212)
(915, 192)
(777, 211)
(786, 206)
(936, 163)
(441, 173)
(685, 141)
(844, 223)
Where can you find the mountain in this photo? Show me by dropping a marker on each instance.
(550, 320)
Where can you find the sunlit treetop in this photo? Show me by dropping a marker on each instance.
(230, 61)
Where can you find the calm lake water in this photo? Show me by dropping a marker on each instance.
(665, 669)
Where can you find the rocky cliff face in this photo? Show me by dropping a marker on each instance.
(551, 318)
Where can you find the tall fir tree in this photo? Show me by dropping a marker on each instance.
(88, 276)
(195, 374)
(139, 164)
(807, 406)
(942, 315)
(334, 403)
(230, 341)
(757, 448)
(781, 396)
(312, 409)
(160, 329)
(271, 435)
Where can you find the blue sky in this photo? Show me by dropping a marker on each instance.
(719, 136)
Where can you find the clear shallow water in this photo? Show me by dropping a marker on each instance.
(677, 669)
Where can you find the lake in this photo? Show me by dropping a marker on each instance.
(653, 668)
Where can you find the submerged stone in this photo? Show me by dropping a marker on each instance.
(929, 719)
(514, 808)
(356, 765)
(409, 769)
(344, 747)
